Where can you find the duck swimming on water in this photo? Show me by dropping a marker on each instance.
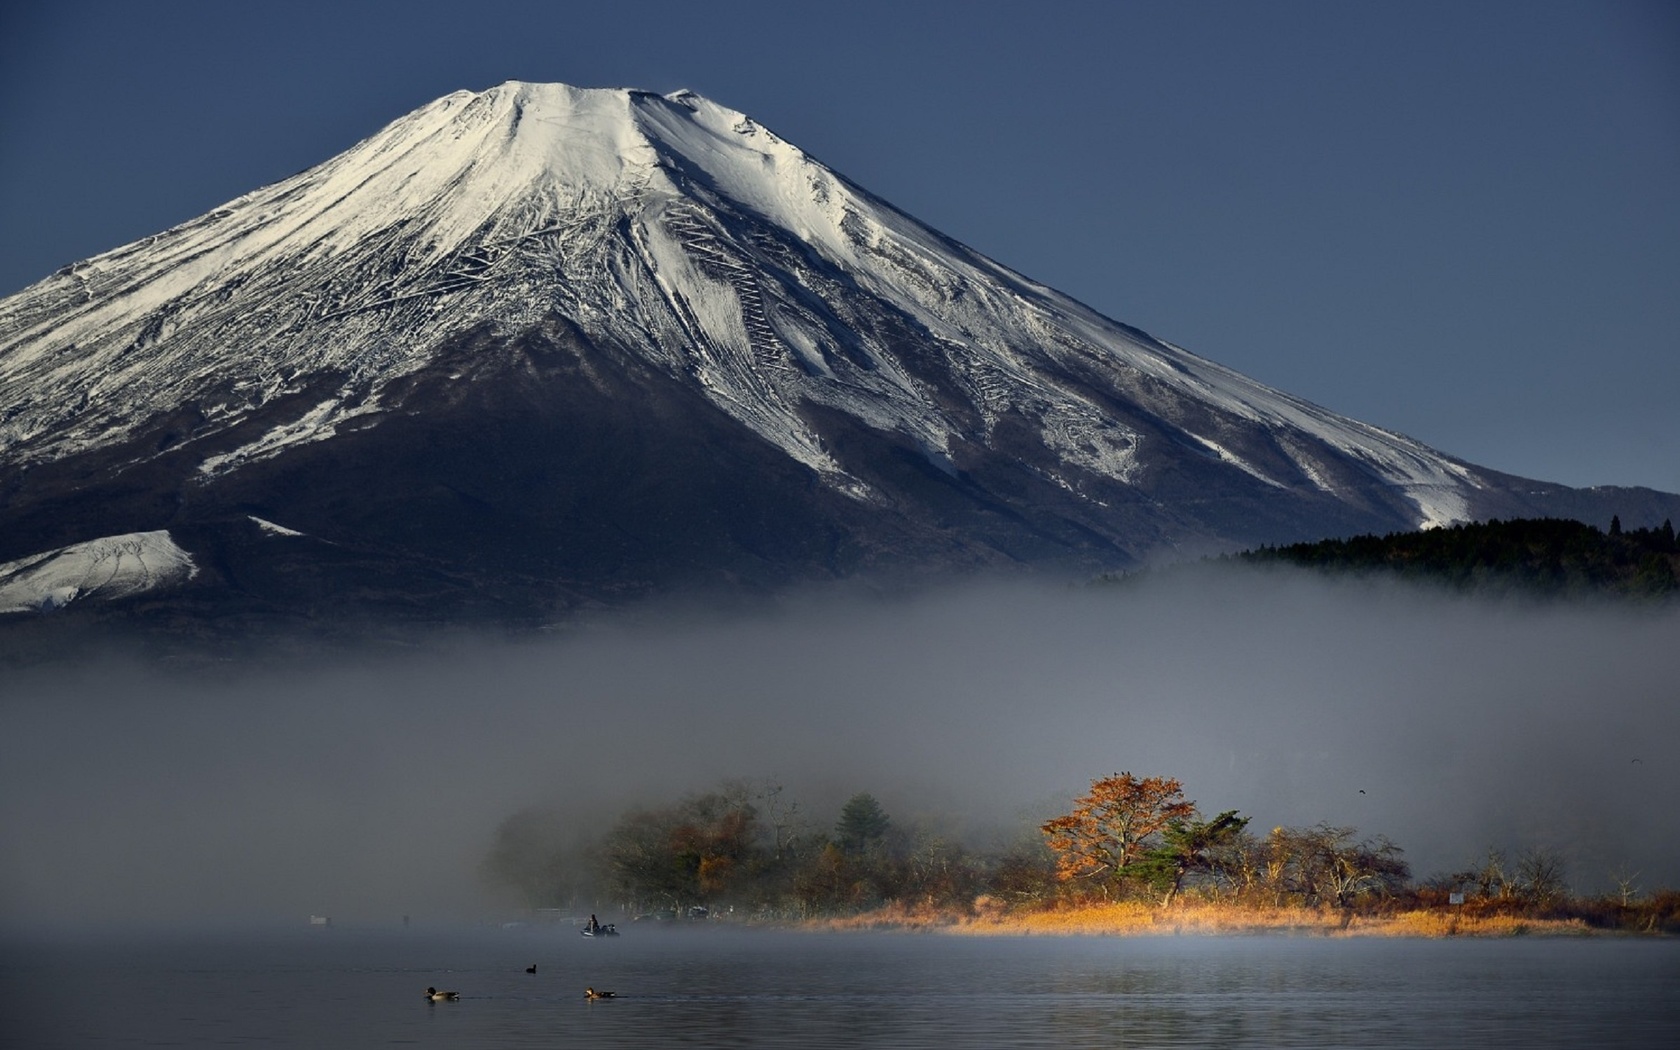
(590, 993)
(441, 997)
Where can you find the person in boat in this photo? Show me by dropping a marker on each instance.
(594, 927)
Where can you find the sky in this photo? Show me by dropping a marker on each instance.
(1457, 221)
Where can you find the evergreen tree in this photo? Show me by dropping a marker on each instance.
(1189, 847)
(862, 824)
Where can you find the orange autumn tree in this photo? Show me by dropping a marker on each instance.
(1110, 828)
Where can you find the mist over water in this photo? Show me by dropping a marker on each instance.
(371, 788)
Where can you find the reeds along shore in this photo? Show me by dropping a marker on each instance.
(1144, 919)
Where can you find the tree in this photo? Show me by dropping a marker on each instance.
(640, 865)
(938, 871)
(1627, 885)
(830, 880)
(1489, 876)
(1324, 864)
(1356, 868)
(1024, 873)
(781, 814)
(1111, 828)
(1540, 876)
(696, 852)
(863, 823)
(716, 839)
(1189, 847)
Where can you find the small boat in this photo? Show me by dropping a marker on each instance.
(441, 997)
(590, 993)
(595, 929)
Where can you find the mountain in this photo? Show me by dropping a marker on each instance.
(538, 349)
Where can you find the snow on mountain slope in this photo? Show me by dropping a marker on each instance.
(99, 570)
(682, 233)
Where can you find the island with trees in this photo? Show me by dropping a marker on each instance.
(1132, 855)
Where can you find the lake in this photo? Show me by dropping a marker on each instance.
(338, 987)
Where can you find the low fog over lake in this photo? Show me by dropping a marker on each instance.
(369, 788)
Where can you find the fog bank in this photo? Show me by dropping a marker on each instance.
(369, 789)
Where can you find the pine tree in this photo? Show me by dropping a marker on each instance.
(862, 824)
(1188, 847)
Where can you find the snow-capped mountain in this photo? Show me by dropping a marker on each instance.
(540, 345)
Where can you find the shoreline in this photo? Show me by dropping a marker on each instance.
(1134, 919)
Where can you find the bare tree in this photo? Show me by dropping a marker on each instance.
(1325, 864)
(1627, 885)
(1540, 876)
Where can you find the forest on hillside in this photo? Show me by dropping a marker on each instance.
(1551, 557)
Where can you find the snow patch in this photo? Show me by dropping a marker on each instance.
(1439, 505)
(273, 529)
(103, 570)
(1225, 455)
(318, 423)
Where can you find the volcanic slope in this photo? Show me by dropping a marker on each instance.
(539, 347)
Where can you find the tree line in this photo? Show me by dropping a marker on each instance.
(744, 849)
(1548, 556)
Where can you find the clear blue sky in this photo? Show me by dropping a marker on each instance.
(1460, 221)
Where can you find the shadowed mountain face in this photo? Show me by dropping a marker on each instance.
(539, 349)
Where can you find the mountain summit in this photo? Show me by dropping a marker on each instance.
(539, 346)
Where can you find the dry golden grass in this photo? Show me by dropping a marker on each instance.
(1142, 919)
(895, 916)
(1448, 924)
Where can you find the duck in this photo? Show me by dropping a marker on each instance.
(441, 997)
(531, 968)
(590, 993)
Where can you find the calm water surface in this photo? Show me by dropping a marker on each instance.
(722, 988)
